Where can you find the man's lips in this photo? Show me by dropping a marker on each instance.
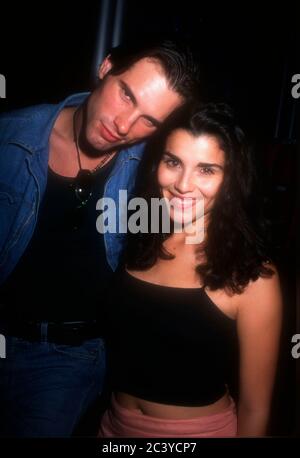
(108, 135)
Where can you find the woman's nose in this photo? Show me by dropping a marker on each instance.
(185, 183)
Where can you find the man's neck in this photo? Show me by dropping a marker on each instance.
(63, 155)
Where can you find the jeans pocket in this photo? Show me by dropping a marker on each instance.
(90, 349)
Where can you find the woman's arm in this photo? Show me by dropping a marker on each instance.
(259, 329)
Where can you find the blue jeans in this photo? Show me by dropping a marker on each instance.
(45, 387)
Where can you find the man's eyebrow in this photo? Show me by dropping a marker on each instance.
(154, 121)
(200, 164)
(129, 91)
(125, 86)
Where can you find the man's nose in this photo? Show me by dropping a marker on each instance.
(124, 121)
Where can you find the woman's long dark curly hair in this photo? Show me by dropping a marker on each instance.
(234, 249)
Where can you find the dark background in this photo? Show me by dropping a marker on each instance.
(47, 51)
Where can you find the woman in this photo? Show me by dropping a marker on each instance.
(171, 344)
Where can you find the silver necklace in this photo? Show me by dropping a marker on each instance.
(104, 159)
(84, 179)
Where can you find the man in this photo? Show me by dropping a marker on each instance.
(56, 161)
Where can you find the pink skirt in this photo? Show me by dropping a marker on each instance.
(118, 421)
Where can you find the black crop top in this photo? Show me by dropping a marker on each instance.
(167, 345)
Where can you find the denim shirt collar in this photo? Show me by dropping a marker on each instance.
(40, 123)
(35, 138)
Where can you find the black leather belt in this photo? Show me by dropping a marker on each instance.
(69, 333)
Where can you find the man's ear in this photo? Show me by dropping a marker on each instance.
(104, 67)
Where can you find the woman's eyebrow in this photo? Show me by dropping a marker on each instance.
(210, 164)
(200, 164)
(172, 156)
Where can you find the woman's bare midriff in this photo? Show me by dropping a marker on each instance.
(167, 411)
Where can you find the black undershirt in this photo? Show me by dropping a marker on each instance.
(63, 273)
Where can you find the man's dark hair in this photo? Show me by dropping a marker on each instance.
(177, 60)
(235, 250)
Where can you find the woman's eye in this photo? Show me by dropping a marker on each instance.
(207, 170)
(171, 162)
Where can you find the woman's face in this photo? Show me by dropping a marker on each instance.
(191, 170)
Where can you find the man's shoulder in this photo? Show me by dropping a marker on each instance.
(133, 152)
(25, 114)
(38, 110)
(137, 149)
(13, 122)
(26, 124)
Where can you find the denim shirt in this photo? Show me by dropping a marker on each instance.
(24, 154)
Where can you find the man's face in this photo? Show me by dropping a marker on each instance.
(128, 107)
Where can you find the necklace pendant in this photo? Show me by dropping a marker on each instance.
(83, 185)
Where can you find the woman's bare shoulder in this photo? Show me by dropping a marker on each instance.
(262, 296)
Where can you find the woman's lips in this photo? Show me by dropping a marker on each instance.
(108, 135)
(182, 204)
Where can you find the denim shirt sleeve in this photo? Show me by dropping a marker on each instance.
(120, 188)
(19, 197)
